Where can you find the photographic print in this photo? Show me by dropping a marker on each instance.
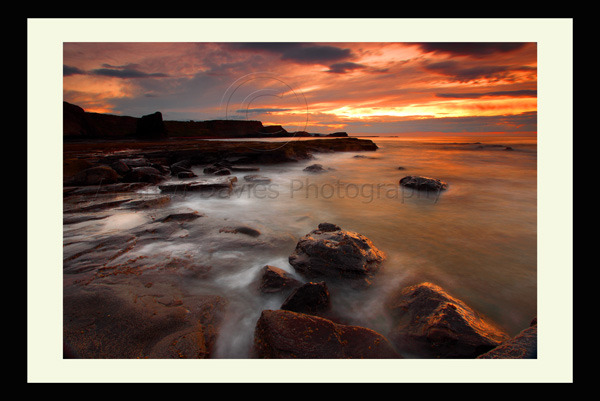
(320, 200)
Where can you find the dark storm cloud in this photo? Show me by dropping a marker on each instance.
(476, 49)
(302, 53)
(68, 71)
(342, 68)
(517, 93)
(126, 73)
(462, 74)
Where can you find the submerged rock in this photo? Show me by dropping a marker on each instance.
(241, 230)
(257, 179)
(315, 168)
(430, 323)
(286, 334)
(339, 253)
(423, 183)
(310, 298)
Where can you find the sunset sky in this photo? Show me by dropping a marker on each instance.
(361, 88)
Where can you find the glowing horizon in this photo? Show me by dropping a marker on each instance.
(323, 87)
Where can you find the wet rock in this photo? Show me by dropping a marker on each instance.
(310, 298)
(328, 227)
(423, 183)
(286, 334)
(315, 168)
(119, 187)
(181, 166)
(257, 179)
(274, 279)
(186, 174)
(340, 253)
(199, 184)
(244, 168)
(222, 171)
(144, 174)
(120, 167)
(241, 230)
(522, 346)
(430, 323)
(95, 176)
(161, 168)
(136, 162)
(103, 322)
(182, 217)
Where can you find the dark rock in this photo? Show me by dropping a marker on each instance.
(315, 168)
(286, 334)
(423, 183)
(95, 176)
(144, 174)
(186, 174)
(181, 166)
(338, 134)
(401, 168)
(310, 298)
(160, 167)
(210, 184)
(151, 126)
(222, 171)
(120, 167)
(241, 230)
(430, 323)
(341, 254)
(522, 346)
(182, 217)
(257, 179)
(508, 148)
(137, 162)
(327, 227)
(210, 169)
(274, 279)
(244, 168)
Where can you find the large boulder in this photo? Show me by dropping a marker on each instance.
(430, 323)
(423, 183)
(287, 334)
(522, 346)
(333, 252)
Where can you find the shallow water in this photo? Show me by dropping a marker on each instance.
(477, 239)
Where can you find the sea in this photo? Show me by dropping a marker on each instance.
(477, 239)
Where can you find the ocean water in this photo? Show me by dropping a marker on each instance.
(477, 239)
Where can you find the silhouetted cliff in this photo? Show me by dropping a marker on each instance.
(77, 123)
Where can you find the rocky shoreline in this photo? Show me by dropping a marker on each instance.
(127, 297)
